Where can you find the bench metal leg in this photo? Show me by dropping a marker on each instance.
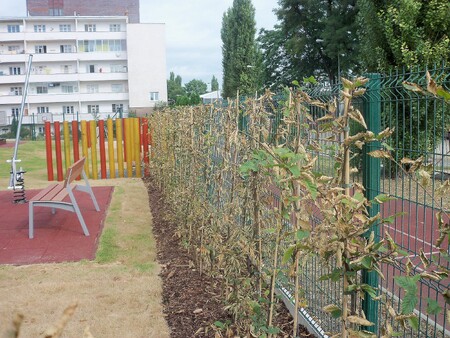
(78, 212)
(30, 220)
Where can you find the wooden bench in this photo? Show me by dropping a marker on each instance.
(53, 196)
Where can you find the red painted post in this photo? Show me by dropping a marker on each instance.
(101, 132)
(48, 150)
(144, 139)
(59, 167)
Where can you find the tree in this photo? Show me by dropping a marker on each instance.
(239, 49)
(174, 88)
(404, 32)
(319, 35)
(197, 87)
(214, 84)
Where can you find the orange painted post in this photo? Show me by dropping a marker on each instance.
(145, 147)
(66, 134)
(59, 169)
(119, 145)
(112, 169)
(48, 150)
(124, 139)
(128, 142)
(93, 134)
(101, 139)
(137, 146)
(84, 145)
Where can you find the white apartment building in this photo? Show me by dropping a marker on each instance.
(83, 68)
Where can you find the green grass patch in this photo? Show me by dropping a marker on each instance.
(108, 249)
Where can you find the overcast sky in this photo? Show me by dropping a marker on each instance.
(192, 31)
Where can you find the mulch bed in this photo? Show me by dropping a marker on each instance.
(192, 302)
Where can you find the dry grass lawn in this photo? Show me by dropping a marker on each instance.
(118, 295)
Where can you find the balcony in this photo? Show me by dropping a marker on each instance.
(8, 37)
(102, 76)
(11, 79)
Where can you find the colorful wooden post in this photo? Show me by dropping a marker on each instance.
(101, 140)
(59, 170)
(93, 134)
(84, 145)
(112, 169)
(145, 146)
(75, 141)
(137, 146)
(66, 134)
(119, 145)
(48, 150)
(128, 143)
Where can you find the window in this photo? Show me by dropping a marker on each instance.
(42, 89)
(114, 27)
(40, 49)
(14, 70)
(93, 109)
(15, 112)
(91, 69)
(117, 88)
(67, 109)
(102, 45)
(65, 28)
(92, 88)
(39, 28)
(16, 90)
(65, 48)
(117, 69)
(42, 110)
(90, 28)
(67, 88)
(13, 28)
(66, 69)
(154, 96)
(117, 107)
(13, 48)
(55, 11)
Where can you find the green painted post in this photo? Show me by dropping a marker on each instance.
(371, 182)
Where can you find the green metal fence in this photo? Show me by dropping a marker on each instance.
(421, 123)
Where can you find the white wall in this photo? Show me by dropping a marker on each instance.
(146, 63)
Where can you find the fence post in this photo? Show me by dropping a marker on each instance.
(371, 181)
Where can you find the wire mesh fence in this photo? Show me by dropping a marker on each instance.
(198, 153)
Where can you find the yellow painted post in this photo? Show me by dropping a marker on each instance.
(119, 145)
(112, 169)
(137, 146)
(84, 146)
(66, 132)
(93, 132)
(128, 143)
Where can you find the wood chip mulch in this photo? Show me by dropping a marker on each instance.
(192, 302)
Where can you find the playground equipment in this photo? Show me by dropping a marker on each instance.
(16, 182)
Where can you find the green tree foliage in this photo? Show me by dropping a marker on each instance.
(404, 32)
(214, 84)
(239, 49)
(174, 88)
(317, 35)
(197, 87)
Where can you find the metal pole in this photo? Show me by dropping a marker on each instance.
(14, 160)
(371, 181)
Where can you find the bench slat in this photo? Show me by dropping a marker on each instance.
(46, 192)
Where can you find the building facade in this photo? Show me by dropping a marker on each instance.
(83, 68)
(128, 8)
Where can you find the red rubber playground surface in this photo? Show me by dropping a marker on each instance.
(57, 237)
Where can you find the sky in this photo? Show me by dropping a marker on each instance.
(192, 31)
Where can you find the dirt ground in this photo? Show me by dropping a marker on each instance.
(120, 298)
(192, 302)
